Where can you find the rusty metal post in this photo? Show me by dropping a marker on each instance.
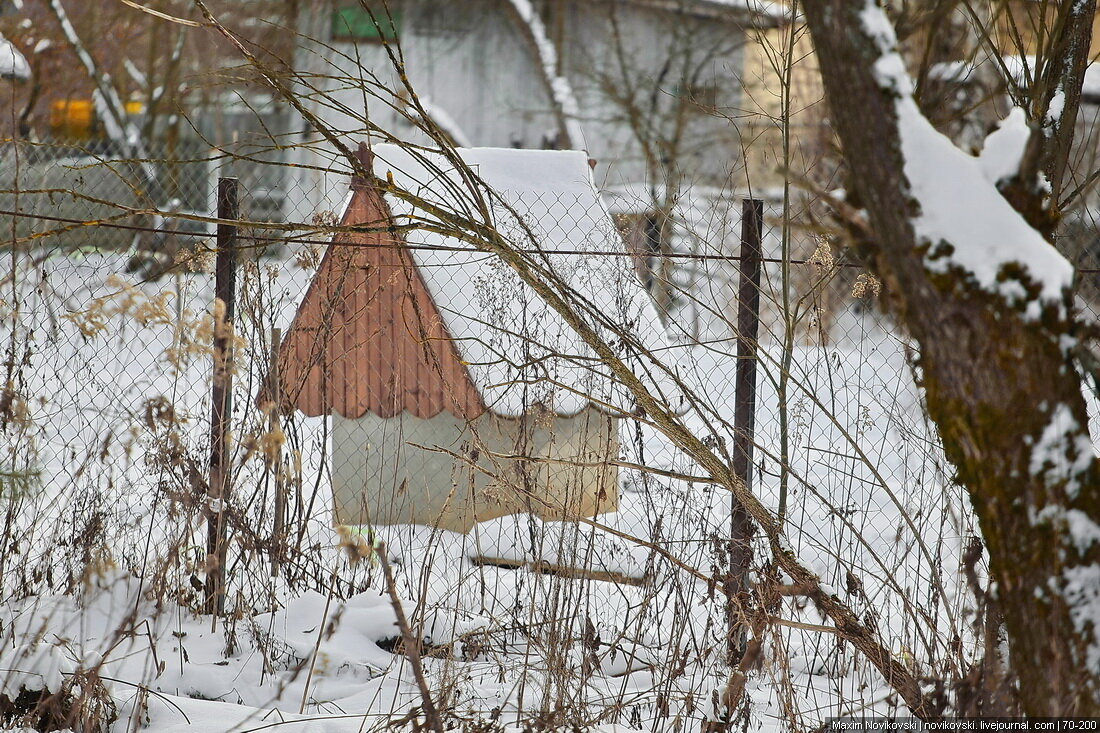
(225, 276)
(275, 461)
(744, 421)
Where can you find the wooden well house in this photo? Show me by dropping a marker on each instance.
(456, 394)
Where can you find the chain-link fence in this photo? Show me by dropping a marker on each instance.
(523, 389)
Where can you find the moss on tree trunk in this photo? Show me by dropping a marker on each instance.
(997, 384)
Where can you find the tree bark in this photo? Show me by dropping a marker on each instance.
(558, 88)
(1063, 75)
(993, 380)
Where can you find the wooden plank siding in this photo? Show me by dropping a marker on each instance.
(368, 337)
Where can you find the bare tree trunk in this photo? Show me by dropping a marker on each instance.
(557, 84)
(119, 126)
(1062, 79)
(999, 386)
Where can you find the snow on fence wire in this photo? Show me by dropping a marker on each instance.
(408, 388)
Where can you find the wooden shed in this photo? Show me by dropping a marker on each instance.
(456, 394)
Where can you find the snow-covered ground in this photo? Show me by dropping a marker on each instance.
(104, 548)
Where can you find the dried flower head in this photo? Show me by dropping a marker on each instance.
(308, 257)
(866, 285)
(201, 259)
(359, 544)
(822, 257)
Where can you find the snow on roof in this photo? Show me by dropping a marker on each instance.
(519, 351)
(1017, 68)
(12, 63)
(761, 12)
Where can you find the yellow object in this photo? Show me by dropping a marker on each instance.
(75, 119)
(72, 118)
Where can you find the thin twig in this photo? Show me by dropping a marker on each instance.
(412, 645)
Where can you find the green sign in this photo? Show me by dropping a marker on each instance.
(354, 23)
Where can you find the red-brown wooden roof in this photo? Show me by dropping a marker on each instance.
(368, 336)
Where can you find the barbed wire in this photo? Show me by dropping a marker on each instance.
(411, 246)
(259, 239)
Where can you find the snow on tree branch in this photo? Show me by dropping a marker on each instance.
(1003, 150)
(561, 91)
(964, 220)
(12, 63)
(109, 106)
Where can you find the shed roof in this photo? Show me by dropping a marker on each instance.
(758, 13)
(367, 336)
(423, 322)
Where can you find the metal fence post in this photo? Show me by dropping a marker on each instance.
(748, 328)
(275, 460)
(221, 392)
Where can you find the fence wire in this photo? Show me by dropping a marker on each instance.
(398, 384)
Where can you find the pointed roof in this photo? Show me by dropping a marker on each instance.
(410, 319)
(367, 336)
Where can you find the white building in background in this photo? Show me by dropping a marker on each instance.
(650, 89)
